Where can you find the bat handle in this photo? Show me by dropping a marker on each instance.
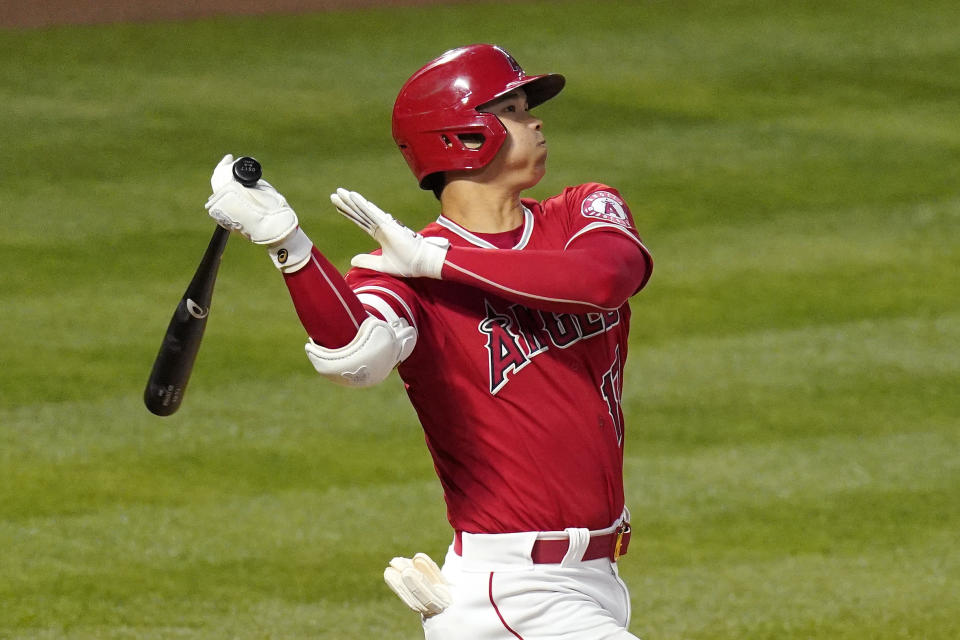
(218, 242)
(247, 171)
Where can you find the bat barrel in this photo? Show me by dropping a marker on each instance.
(178, 351)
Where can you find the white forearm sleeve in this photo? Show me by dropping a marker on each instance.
(369, 358)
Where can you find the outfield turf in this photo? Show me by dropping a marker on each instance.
(793, 444)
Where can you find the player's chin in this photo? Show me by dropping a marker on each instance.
(536, 174)
(542, 155)
(541, 163)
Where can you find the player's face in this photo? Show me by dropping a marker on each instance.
(524, 152)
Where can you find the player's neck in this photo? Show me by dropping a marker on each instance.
(481, 208)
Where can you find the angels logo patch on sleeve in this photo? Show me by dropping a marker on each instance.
(606, 206)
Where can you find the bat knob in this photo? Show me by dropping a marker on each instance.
(247, 171)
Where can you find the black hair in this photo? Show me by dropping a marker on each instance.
(434, 182)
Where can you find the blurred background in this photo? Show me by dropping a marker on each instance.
(793, 421)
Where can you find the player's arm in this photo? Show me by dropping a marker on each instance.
(328, 309)
(352, 342)
(597, 271)
(347, 345)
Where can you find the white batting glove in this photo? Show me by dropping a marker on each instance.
(259, 213)
(405, 253)
(419, 584)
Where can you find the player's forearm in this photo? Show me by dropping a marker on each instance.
(596, 274)
(327, 307)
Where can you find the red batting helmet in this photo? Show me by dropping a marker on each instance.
(438, 105)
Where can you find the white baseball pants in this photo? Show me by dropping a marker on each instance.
(500, 594)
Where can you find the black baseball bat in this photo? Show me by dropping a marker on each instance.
(178, 351)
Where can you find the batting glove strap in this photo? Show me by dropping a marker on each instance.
(293, 253)
(419, 583)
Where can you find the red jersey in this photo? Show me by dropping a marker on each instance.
(518, 387)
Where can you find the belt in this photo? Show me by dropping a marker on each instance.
(609, 545)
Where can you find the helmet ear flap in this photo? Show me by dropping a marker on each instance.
(477, 143)
(455, 146)
(484, 136)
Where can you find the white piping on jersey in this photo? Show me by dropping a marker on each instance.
(339, 297)
(473, 239)
(378, 303)
(597, 225)
(524, 294)
(373, 288)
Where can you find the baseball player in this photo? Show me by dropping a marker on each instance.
(507, 320)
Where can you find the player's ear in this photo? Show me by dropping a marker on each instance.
(472, 141)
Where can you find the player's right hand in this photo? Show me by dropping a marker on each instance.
(405, 252)
(419, 583)
(259, 213)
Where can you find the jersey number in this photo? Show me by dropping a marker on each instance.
(611, 386)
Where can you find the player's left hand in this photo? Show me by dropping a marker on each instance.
(419, 584)
(405, 253)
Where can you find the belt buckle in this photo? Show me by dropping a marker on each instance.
(624, 528)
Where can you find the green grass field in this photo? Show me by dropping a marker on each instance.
(793, 446)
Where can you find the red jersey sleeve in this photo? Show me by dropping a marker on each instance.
(592, 207)
(596, 207)
(384, 296)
